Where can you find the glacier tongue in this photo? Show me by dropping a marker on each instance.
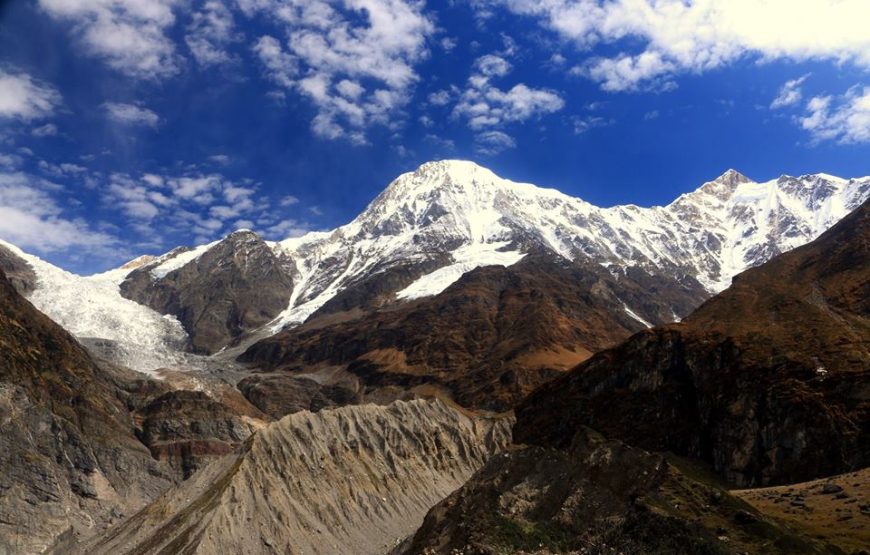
(92, 307)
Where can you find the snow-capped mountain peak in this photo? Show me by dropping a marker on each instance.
(450, 207)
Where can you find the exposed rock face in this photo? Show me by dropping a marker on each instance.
(281, 394)
(597, 497)
(350, 480)
(768, 381)
(236, 286)
(188, 429)
(69, 461)
(489, 339)
(18, 271)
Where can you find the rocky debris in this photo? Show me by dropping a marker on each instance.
(488, 340)
(348, 480)
(737, 383)
(597, 497)
(18, 271)
(234, 287)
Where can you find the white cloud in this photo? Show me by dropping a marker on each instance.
(61, 170)
(789, 94)
(491, 143)
(354, 59)
(844, 119)
(22, 97)
(675, 36)
(131, 114)
(287, 228)
(584, 124)
(448, 44)
(440, 98)
(209, 33)
(47, 130)
(31, 218)
(221, 159)
(130, 35)
(485, 106)
(289, 200)
(10, 160)
(491, 65)
(624, 72)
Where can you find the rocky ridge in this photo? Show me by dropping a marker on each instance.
(340, 481)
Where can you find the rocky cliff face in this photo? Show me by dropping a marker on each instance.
(767, 381)
(233, 287)
(350, 480)
(487, 340)
(69, 461)
(598, 496)
(188, 429)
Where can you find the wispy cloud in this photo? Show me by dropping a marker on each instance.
(354, 61)
(845, 119)
(130, 35)
(131, 114)
(31, 218)
(789, 94)
(491, 143)
(211, 30)
(24, 98)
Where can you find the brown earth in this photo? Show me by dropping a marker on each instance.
(69, 460)
(835, 510)
(767, 381)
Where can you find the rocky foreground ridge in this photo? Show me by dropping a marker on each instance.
(350, 480)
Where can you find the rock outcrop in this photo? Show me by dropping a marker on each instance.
(18, 271)
(767, 381)
(350, 480)
(234, 287)
(598, 497)
(188, 429)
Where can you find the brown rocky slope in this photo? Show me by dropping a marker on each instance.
(767, 381)
(235, 287)
(599, 497)
(486, 341)
(69, 460)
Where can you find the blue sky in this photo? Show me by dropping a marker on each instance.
(133, 126)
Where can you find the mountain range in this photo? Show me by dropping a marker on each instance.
(421, 234)
(655, 359)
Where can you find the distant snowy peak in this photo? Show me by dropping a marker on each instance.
(454, 207)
